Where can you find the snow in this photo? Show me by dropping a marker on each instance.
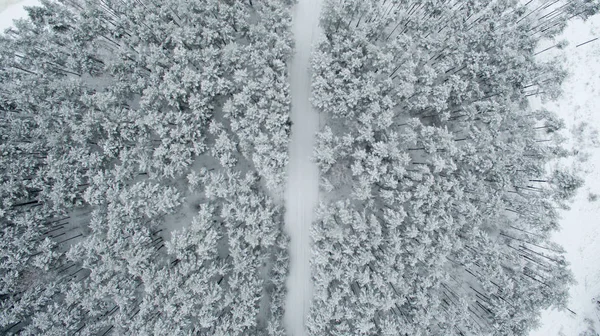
(13, 9)
(580, 231)
(302, 189)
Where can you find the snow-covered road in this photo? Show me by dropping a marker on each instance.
(302, 189)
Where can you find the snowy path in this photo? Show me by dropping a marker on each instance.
(301, 195)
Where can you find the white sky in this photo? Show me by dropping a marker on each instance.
(13, 9)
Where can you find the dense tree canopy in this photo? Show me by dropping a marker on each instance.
(143, 146)
(436, 168)
(121, 121)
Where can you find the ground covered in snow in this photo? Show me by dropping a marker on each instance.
(301, 196)
(580, 232)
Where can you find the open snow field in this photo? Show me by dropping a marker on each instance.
(302, 190)
(580, 232)
(6, 3)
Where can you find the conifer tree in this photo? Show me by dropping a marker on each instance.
(431, 144)
(105, 108)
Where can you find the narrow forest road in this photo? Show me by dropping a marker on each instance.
(302, 189)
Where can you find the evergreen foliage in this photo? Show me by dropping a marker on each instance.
(109, 110)
(143, 144)
(440, 203)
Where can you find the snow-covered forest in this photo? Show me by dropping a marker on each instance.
(143, 143)
(440, 206)
(146, 172)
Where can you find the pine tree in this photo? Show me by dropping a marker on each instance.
(429, 132)
(105, 108)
